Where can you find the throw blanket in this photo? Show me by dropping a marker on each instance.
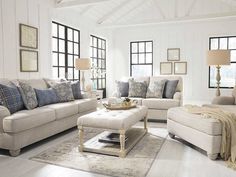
(228, 122)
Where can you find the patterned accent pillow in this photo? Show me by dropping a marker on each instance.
(28, 95)
(137, 89)
(76, 89)
(10, 97)
(123, 88)
(46, 97)
(155, 89)
(170, 88)
(63, 91)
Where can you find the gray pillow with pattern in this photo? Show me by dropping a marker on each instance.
(28, 95)
(63, 91)
(155, 89)
(137, 89)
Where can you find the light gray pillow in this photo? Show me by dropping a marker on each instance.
(170, 88)
(63, 91)
(137, 89)
(28, 95)
(155, 89)
(123, 88)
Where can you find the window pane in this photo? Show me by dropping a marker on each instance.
(76, 49)
(54, 30)
(148, 58)
(103, 83)
(134, 58)
(228, 76)
(141, 58)
(232, 43)
(141, 70)
(70, 73)
(214, 44)
(134, 47)
(99, 53)
(99, 43)
(103, 64)
(70, 47)
(233, 55)
(76, 36)
(62, 32)
(70, 34)
(61, 45)
(54, 59)
(141, 47)
(94, 42)
(149, 47)
(55, 72)
(103, 44)
(95, 52)
(70, 60)
(61, 59)
(223, 43)
(76, 75)
(61, 72)
(103, 54)
(54, 44)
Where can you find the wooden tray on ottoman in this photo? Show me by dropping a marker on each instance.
(120, 106)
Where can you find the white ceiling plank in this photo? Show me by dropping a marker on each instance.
(159, 8)
(229, 2)
(176, 8)
(112, 11)
(209, 17)
(72, 3)
(191, 7)
(86, 9)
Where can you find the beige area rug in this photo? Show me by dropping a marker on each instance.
(136, 164)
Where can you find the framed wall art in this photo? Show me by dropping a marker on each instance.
(28, 36)
(166, 68)
(28, 60)
(180, 68)
(173, 54)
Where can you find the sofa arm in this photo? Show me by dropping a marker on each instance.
(4, 112)
(177, 96)
(223, 100)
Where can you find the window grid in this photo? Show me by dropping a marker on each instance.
(66, 48)
(218, 47)
(138, 53)
(98, 56)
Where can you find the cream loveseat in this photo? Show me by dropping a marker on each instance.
(158, 107)
(29, 126)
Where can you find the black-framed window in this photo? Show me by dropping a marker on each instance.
(228, 73)
(98, 56)
(141, 58)
(65, 49)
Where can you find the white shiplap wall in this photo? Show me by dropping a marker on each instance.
(36, 13)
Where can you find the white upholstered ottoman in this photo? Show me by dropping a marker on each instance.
(120, 121)
(203, 133)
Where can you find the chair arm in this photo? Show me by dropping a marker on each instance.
(4, 112)
(223, 100)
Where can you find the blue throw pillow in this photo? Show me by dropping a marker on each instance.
(76, 90)
(10, 97)
(46, 97)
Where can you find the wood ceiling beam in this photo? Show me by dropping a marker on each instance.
(190, 9)
(86, 9)
(159, 8)
(63, 4)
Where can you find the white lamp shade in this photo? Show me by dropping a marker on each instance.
(218, 57)
(82, 64)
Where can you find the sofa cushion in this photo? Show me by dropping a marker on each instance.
(155, 88)
(28, 95)
(170, 88)
(27, 119)
(76, 89)
(208, 126)
(10, 97)
(234, 94)
(64, 110)
(122, 88)
(46, 97)
(164, 104)
(63, 91)
(137, 89)
(85, 105)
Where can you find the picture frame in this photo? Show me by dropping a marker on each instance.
(173, 54)
(180, 68)
(28, 36)
(28, 60)
(165, 68)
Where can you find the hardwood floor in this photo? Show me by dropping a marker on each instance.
(176, 159)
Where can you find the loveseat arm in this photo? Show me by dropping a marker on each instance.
(178, 96)
(4, 112)
(223, 100)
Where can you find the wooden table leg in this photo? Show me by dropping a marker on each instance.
(145, 124)
(122, 143)
(81, 136)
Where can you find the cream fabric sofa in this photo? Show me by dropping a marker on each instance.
(29, 126)
(203, 133)
(157, 108)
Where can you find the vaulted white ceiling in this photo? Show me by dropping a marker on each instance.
(113, 13)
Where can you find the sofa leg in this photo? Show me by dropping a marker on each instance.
(171, 135)
(212, 156)
(14, 153)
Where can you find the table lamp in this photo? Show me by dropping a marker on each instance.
(82, 64)
(218, 58)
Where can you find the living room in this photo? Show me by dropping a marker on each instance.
(103, 51)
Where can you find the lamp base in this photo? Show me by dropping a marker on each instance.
(218, 78)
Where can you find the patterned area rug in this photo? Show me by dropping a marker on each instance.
(136, 164)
